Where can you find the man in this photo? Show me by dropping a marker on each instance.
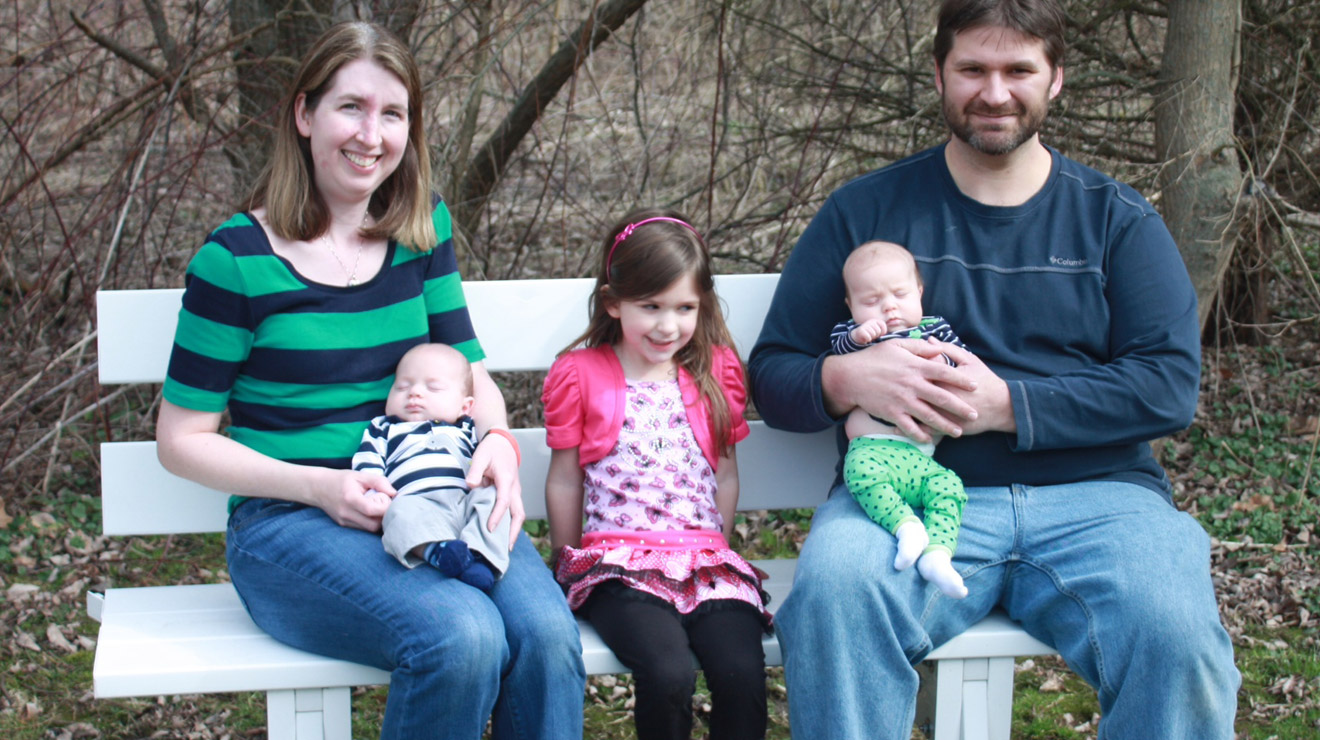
(1082, 333)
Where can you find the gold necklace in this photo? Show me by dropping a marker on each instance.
(352, 274)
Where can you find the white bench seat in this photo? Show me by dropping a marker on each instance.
(185, 639)
(198, 639)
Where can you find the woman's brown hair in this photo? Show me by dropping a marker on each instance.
(401, 206)
(647, 261)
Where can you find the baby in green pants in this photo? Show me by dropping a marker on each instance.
(886, 471)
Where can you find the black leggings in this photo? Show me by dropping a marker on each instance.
(650, 637)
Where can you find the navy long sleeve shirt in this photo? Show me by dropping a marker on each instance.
(1077, 298)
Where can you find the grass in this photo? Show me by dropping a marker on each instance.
(1281, 672)
(49, 691)
(1051, 703)
(47, 670)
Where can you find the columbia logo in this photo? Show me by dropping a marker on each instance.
(1062, 262)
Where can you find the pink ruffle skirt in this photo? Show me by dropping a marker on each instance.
(686, 568)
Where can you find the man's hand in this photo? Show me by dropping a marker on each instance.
(990, 397)
(904, 381)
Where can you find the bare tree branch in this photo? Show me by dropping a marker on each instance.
(490, 161)
(119, 50)
(93, 130)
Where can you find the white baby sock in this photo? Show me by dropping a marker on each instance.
(912, 540)
(936, 566)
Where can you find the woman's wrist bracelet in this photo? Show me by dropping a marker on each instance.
(505, 433)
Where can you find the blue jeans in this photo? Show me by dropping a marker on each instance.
(1110, 574)
(456, 656)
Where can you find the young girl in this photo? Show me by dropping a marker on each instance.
(642, 422)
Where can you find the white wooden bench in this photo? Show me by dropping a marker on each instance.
(187, 639)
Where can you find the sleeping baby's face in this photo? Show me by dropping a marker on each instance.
(884, 287)
(433, 383)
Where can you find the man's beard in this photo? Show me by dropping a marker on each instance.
(997, 141)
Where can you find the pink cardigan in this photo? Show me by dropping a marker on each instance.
(584, 402)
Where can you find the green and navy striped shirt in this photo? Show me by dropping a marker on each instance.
(303, 367)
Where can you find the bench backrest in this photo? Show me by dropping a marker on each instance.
(521, 324)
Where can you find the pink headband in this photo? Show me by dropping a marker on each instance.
(630, 228)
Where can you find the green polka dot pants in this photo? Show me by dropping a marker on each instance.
(888, 477)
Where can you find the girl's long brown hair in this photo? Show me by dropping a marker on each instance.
(650, 260)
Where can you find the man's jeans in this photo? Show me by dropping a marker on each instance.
(1109, 573)
(456, 655)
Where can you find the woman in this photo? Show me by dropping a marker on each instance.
(294, 317)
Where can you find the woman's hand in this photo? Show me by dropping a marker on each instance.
(190, 446)
(495, 463)
(359, 501)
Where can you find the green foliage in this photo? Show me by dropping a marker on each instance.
(1256, 471)
(1050, 702)
(1281, 677)
(369, 710)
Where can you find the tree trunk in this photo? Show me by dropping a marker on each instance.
(268, 60)
(489, 162)
(265, 64)
(1193, 133)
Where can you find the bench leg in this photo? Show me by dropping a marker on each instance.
(973, 699)
(309, 714)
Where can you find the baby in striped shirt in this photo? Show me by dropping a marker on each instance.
(423, 445)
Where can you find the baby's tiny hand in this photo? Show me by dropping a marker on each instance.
(868, 331)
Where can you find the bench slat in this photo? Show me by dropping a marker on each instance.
(135, 328)
(140, 497)
(134, 334)
(199, 639)
(996, 636)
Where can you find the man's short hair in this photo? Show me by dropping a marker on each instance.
(1042, 19)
